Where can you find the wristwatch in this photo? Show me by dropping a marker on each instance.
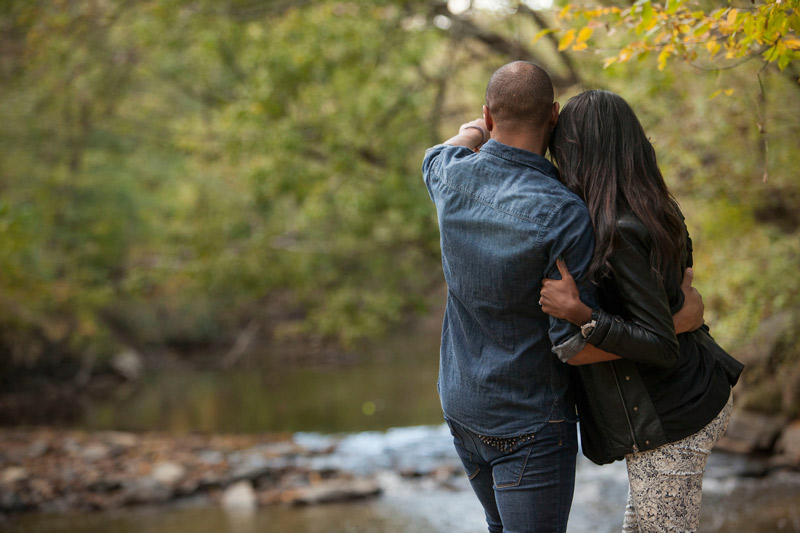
(588, 328)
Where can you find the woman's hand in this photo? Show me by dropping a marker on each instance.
(690, 316)
(560, 298)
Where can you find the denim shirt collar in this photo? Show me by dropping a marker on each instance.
(518, 155)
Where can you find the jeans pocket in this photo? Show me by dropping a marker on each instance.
(470, 466)
(507, 471)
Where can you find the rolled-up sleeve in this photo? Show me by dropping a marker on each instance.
(571, 238)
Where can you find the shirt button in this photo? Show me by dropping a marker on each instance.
(636, 408)
(647, 442)
(627, 378)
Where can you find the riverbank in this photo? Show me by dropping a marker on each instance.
(409, 478)
(53, 470)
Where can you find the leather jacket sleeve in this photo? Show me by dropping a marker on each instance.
(647, 334)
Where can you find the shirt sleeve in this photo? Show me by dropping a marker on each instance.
(436, 160)
(431, 167)
(571, 238)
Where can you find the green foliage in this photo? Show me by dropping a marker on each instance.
(170, 166)
(174, 170)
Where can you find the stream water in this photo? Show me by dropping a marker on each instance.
(384, 414)
(732, 503)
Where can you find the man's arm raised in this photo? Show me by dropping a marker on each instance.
(472, 134)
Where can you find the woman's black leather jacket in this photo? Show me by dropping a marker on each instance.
(616, 412)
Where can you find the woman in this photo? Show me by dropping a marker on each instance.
(666, 402)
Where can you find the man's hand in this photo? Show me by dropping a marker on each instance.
(690, 316)
(560, 298)
(473, 135)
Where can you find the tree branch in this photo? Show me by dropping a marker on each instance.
(565, 58)
(513, 49)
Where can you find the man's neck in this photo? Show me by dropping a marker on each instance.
(525, 141)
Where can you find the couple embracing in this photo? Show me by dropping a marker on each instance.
(569, 297)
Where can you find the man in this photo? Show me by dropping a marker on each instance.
(504, 220)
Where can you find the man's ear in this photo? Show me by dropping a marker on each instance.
(554, 115)
(487, 118)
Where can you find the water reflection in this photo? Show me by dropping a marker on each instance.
(392, 385)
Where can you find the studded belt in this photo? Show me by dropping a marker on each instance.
(505, 444)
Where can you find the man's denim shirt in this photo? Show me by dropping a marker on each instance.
(504, 219)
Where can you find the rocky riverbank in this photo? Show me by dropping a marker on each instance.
(408, 476)
(45, 469)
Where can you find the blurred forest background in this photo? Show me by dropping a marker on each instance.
(200, 177)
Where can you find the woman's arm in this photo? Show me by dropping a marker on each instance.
(648, 337)
(560, 299)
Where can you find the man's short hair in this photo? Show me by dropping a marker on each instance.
(520, 94)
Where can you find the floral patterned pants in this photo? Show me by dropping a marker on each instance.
(666, 483)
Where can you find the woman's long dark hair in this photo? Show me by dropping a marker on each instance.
(604, 156)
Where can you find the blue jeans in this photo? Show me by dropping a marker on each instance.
(528, 488)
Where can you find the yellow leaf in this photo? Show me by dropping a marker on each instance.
(609, 61)
(717, 13)
(566, 40)
(583, 35)
(792, 42)
(713, 47)
(540, 35)
(564, 13)
(726, 92)
(663, 56)
(579, 46)
(731, 20)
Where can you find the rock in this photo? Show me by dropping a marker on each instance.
(239, 496)
(12, 474)
(335, 490)
(749, 432)
(278, 449)
(94, 452)
(252, 464)
(168, 473)
(103, 485)
(145, 490)
(71, 446)
(788, 445)
(129, 364)
(120, 438)
(314, 442)
(10, 500)
(38, 448)
(790, 398)
(766, 338)
(211, 457)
